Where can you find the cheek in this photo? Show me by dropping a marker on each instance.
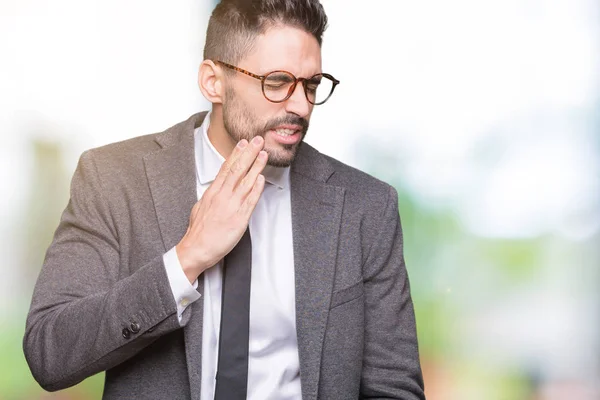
(251, 92)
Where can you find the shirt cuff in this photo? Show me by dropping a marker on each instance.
(184, 293)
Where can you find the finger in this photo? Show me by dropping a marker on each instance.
(252, 199)
(247, 182)
(226, 166)
(193, 213)
(240, 167)
(194, 210)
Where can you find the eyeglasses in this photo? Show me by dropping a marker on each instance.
(278, 86)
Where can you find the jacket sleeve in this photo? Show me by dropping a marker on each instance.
(391, 368)
(85, 317)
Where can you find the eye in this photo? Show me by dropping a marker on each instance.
(313, 84)
(274, 85)
(278, 80)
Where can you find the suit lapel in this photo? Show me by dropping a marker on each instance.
(171, 173)
(316, 219)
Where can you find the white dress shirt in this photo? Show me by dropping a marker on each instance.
(273, 365)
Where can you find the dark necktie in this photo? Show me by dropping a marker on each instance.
(232, 367)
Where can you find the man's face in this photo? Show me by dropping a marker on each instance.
(247, 113)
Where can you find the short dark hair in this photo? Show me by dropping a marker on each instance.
(235, 24)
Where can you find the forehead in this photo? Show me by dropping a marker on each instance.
(285, 48)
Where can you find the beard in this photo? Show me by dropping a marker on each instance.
(241, 123)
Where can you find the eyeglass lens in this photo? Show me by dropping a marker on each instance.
(277, 87)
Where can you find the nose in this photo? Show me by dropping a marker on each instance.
(298, 103)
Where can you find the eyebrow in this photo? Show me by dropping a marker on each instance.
(281, 77)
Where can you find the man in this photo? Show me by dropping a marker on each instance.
(285, 281)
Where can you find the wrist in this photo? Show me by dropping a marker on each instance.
(192, 268)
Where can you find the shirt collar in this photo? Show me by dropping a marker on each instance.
(209, 161)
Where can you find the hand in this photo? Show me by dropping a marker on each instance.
(220, 218)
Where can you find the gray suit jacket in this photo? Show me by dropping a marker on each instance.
(104, 272)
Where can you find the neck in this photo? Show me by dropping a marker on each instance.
(217, 134)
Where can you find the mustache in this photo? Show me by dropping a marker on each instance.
(287, 120)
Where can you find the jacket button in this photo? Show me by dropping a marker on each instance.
(126, 333)
(135, 327)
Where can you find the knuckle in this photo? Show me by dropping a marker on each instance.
(225, 167)
(245, 207)
(207, 195)
(252, 197)
(236, 168)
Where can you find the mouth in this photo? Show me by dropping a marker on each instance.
(286, 134)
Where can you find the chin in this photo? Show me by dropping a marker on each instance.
(282, 157)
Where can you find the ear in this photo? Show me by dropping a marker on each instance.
(210, 81)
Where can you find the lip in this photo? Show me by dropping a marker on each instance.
(292, 127)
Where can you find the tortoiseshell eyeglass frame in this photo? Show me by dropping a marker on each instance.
(262, 78)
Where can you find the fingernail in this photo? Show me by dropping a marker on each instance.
(262, 155)
(242, 143)
(256, 140)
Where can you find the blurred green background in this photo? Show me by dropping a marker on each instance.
(485, 115)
